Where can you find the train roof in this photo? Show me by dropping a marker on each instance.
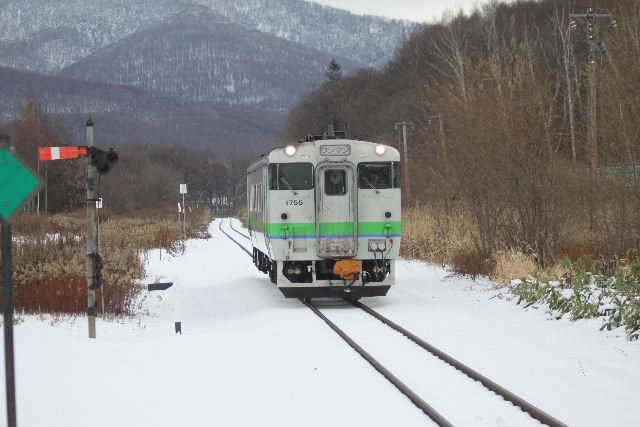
(336, 150)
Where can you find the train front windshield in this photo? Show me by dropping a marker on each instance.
(291, 176)
(380, 175)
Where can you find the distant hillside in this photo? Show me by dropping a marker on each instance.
(126, 114)
(48, 35)
(370, 40)
(215, 73)
(206, 59)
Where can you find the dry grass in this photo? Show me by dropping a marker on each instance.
(50, 257)
(430, 234)
(450, 239)
(512, 264)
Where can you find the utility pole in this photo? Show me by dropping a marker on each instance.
(594, 47)
(91, 236)
(443, 144)
(405, 155)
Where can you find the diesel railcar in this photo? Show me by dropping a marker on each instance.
(324, 217)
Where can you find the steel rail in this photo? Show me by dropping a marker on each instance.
(234, 240)
(404, 389)
(239, 232)
(535, 412)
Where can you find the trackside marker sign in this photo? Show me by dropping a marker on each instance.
(17, 184)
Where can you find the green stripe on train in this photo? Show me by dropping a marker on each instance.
(384, 227)
(290, 229)
(327, 228)
(336, 228)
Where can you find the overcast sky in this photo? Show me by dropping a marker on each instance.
(414, 10)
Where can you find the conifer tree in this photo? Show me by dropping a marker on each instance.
(334, 71)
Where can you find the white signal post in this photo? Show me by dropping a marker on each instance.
(183, 191)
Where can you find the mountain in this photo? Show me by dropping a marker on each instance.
(222, 72)
(126, 114)
(206, 59)
(48, 35)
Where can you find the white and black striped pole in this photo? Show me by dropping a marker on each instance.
(177, 304)
(183, 191)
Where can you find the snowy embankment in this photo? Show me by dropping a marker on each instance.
(248, 356)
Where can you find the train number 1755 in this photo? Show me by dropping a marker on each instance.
(293, 202)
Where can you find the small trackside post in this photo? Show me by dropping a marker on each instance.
(7, 285)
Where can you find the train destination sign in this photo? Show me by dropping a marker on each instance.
(17, 183)
(335, 150)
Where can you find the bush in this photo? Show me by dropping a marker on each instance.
(582, 292)
(50, 257)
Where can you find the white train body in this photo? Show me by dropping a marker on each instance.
(322, 201)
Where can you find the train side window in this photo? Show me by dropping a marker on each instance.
(255, 197)
(376, 175)
(396, 175)
(335, 182)
(290, 176)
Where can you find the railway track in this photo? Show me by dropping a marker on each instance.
(237, 231)
(435, 368)
(234, 240)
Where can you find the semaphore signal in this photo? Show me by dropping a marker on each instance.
(101, 161)
(59, 153)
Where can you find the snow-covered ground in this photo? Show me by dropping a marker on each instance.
(248, 356)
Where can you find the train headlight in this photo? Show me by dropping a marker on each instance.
(381, 149)
(290, 150)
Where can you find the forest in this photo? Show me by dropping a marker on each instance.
(523, 138)
(147, 176)
(522, 144)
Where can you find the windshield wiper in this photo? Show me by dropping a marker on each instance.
(366, 181)
(288, 185)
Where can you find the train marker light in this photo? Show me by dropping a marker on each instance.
(381, 149)
(104, 161)
(290, 150)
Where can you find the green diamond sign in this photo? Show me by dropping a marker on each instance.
(18, 183)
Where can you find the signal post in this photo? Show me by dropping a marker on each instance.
(101, 161)
(92, 301)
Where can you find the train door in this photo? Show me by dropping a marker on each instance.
(266, 206)
(336, 210)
